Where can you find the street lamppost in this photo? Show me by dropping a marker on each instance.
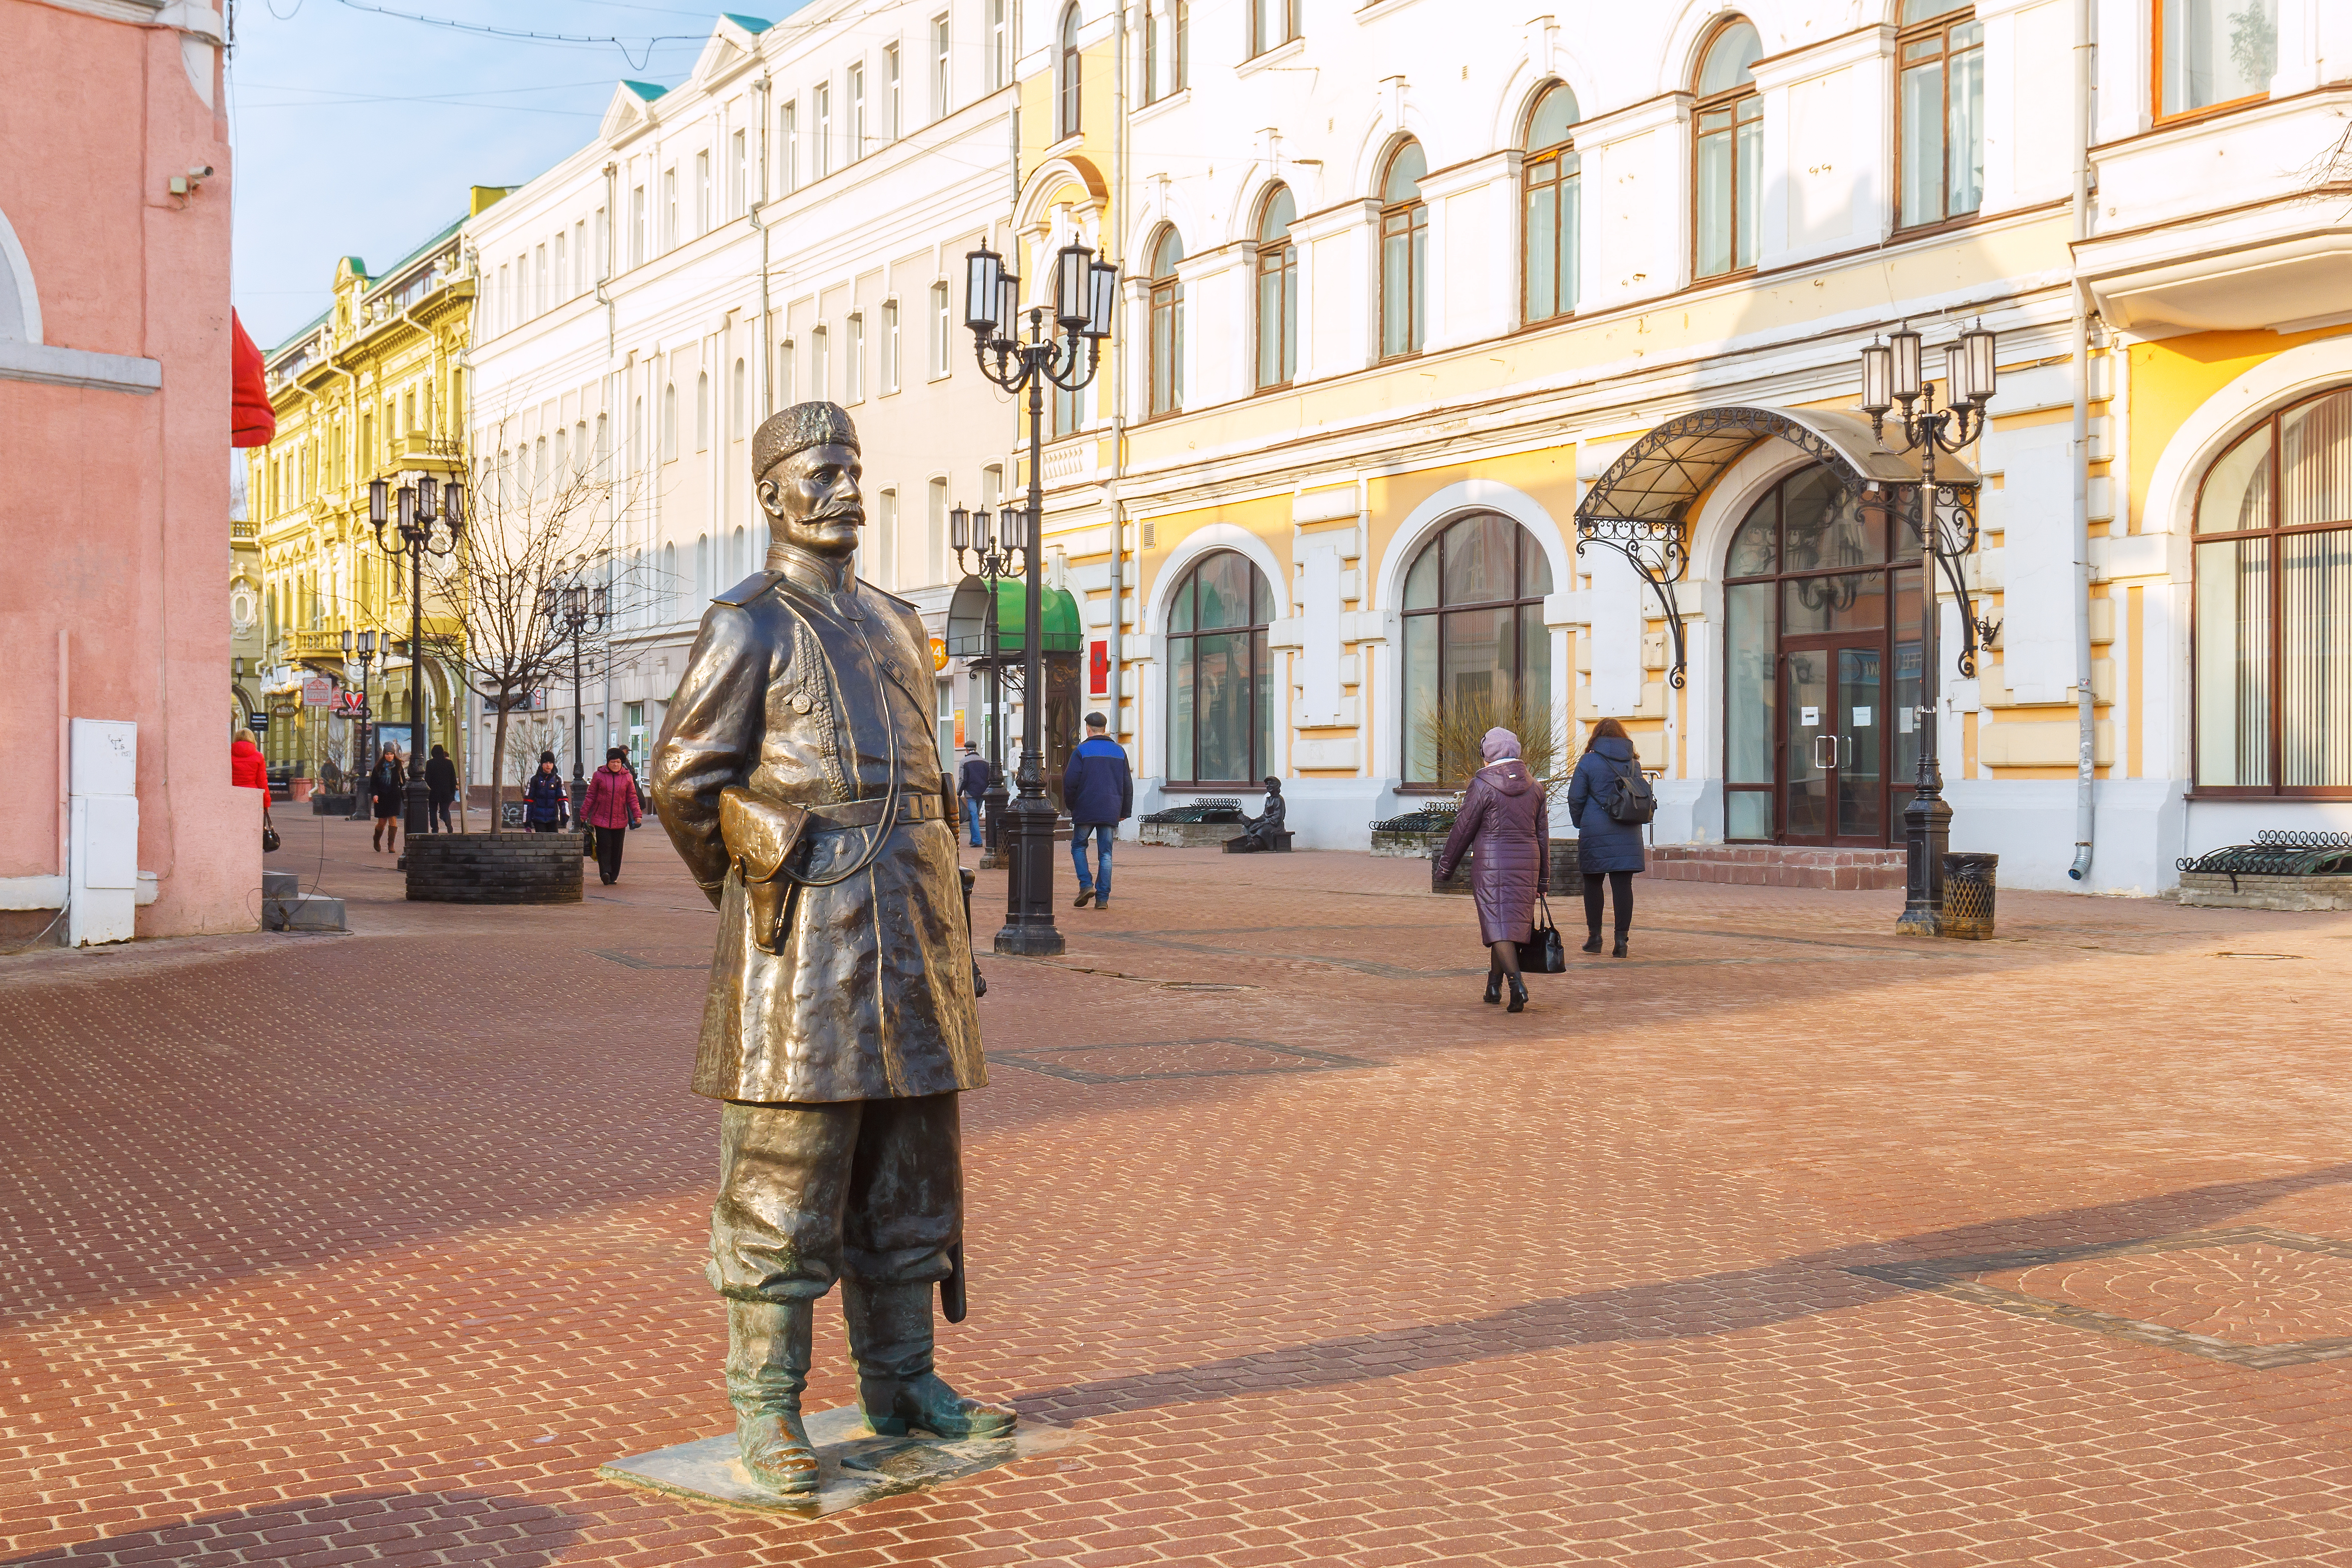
(1086, 293)
(993, 559)
(579, 609)
(1890, 376)
(366, 654)
(420, 503)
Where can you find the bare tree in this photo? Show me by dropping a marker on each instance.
(529, 533)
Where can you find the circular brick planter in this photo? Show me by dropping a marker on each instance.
(1565, 876)
(494, 868)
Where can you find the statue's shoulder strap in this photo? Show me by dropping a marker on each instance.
(748, 589)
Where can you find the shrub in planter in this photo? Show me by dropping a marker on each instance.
(494, 868)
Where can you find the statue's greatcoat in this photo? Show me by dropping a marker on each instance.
(811, 690)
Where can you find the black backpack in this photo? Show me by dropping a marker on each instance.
(1630, 801)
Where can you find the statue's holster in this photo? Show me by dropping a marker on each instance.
(761, 836)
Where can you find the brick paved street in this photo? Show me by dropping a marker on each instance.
(1781, 1242)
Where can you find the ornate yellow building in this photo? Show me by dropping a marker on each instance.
(374, 387)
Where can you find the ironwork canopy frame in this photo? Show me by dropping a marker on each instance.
(1641, 507)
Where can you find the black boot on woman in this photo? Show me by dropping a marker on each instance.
(1493, 987)
(1592, 942)
(1518, 995)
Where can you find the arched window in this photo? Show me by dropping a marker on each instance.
(1730, 120)
(1405, 253)
(739, 556)
(1551, 205)
(1167, 355)
(673, 587)
(636, 436)
(2274, 607)
(702, 412)
(1069, 71)
(1277, 291)
(703, 587)
(1821, 668)
(1939, 158)
(669, 422)
(1220, 674)
(736, 430)
(1476, 651)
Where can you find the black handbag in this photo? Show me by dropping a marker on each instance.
(1543, 953)
(268, 833)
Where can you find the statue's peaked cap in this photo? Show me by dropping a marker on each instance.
(796, 429)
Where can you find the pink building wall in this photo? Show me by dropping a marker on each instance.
(114, 455)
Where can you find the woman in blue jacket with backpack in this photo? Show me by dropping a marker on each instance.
(1607, 846)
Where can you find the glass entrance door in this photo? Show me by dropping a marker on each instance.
(1835, 757)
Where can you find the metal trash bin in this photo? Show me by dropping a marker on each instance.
(1968, 884)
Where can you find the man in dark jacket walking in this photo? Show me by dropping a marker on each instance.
(441, 778)
(1100, 792)
(971, 783)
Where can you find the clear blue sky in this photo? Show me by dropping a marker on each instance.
(357, 133)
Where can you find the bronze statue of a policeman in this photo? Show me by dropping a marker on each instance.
(798, 773)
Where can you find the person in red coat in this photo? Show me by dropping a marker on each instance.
(1504, 813)
(245, 768)
(612, 810)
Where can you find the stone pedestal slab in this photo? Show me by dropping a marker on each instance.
(856, 1466)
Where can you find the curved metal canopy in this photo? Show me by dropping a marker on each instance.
(1659, 477)
(1061, 631)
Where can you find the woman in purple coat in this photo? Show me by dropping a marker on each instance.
(1503, 814)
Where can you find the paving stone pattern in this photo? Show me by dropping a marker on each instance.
(370, 1248)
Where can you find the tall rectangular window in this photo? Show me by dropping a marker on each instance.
(638, 238)
(539, 280)
(935, 532)
(2210, 53)
(1730, 170)
(788, 137)
(786, 367)
(670, 208)
(940, 333)
(1273, 23)
(853, 365)
(505, 311)
(996, 56)
(886, 539)
(942, 76)
(1164, 46)
(702, 193)
(1940, 161)
(561, 275)
(580, 257)
(892, 126)
(856, 126)
(738, 176)
(890, 346)
(603, 268)
(821, 130)
(820, 377)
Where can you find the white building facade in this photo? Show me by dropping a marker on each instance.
(1412, 286)
(788, 224)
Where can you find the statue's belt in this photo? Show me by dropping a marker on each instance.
(867, 813)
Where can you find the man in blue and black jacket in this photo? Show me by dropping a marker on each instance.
(1100, 790)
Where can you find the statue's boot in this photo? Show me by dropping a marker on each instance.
(890, 1339)
(768, 1348)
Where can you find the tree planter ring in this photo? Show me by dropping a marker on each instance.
(494, 868)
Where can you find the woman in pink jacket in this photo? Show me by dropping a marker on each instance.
(612, 810)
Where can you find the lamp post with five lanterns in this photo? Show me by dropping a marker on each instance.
(577, 609)
(419, 503)
(1063, 347)
(1891, 375)
(994, 557)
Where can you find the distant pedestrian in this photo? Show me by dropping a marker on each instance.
(1099, 789)
(1606, 847)
(972, 782)
(249, 770)
(548, 807)
(387, 786)
(612, 810)
(1503, 813)
(441, 778)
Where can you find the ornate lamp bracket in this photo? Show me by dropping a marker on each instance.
(1659, 552)
(1955, 536)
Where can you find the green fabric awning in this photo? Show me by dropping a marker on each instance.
(1063, 631)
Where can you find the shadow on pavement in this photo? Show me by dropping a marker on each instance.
(1709, 1304)
(467, 1526)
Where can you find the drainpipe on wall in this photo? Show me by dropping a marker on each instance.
(1111, 219)
(2085, 710)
